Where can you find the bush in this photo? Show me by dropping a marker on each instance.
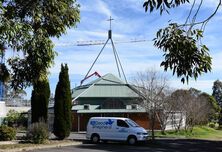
(7, 133)
(38, 133)
(211, 125)
(15, 119)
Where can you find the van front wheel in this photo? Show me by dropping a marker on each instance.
(95, 138)
(132, 140)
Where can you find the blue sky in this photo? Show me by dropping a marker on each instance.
(130, 22)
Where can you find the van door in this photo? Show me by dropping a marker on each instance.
(122, 130)
(106, 129)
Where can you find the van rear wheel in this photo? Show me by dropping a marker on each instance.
(132, 140)
(95, 138)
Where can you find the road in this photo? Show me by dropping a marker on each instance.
(161, 145)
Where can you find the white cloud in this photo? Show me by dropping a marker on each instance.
(203, 85)
(97, 6)
(103, 8)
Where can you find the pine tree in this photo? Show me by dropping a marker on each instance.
(40, 100)
(62, 108)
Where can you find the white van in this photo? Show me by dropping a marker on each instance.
(114, 128)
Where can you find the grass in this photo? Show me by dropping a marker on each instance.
(200, 132)
(25, 145)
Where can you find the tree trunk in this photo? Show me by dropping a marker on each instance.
(153, 125)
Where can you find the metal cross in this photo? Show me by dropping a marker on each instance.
(110, 22)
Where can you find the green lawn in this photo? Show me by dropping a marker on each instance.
(202, 132)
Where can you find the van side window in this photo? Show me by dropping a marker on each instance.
(122, 123)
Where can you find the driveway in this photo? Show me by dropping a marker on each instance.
(161, 145)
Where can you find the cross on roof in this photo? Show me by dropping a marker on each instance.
(110, 22)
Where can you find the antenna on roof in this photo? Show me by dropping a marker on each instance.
(116, 56)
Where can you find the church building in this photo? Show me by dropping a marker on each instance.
(107, 96)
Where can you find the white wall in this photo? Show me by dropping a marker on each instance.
(3, 111)
(18, 109)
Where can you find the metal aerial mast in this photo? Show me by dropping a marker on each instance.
(116, 56)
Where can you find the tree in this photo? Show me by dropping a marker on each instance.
(167, 111)
(217, 91)
(184, 52)
(14, 97)
(178, 100)
(197, 107)
(15, 119)
(27, 26)
(62, 107)
(40, 100)
(217, 94)
(152, 87)
(214, 108)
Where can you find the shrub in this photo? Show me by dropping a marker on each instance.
(211, 125)
(7, 133)
(38, 133)
(15, 119)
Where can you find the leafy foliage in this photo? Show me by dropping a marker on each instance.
(7, 133)
(181, 52)
(162, 5)
(4, 73)
(27, 26)
(62, 108)
(217, 91)
(199, 108)
(187, 39)
(214, 108)
(217, 94)
(40, 100)
(15, 119)
(38, 133)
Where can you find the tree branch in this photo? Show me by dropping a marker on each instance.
(206, 20)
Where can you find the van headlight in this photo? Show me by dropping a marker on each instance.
(139, 133)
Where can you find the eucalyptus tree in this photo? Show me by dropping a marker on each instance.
(27, 27)
(184, 52)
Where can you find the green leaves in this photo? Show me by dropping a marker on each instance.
(182, 53)
(4, 73)
(62, 107)
(40, 100)
(217, 91)
(27, 26)
(39, 58)
(162, 5)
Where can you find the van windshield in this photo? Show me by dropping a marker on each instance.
(132, 123)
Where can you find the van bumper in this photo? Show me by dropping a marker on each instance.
(142, 137)
(88, 136)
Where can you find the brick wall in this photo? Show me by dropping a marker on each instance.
(140, 118)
